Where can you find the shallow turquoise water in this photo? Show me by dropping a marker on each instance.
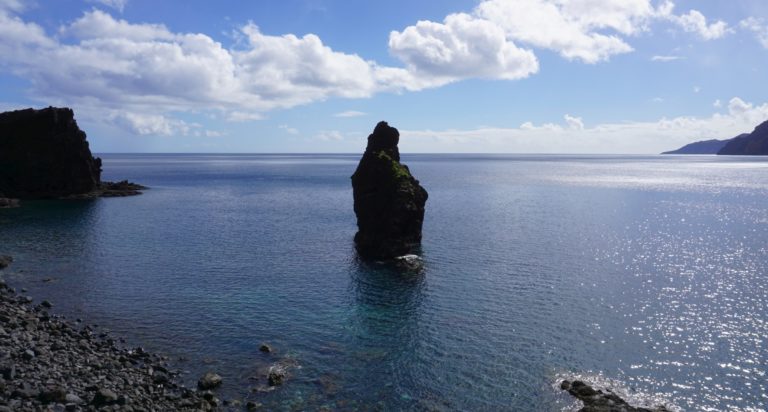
(648, 274)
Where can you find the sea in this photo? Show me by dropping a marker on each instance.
(646, 275)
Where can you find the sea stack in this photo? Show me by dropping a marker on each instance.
(43, 154)
(389, 202)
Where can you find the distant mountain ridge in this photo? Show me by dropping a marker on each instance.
(755, 144)
(702, 147)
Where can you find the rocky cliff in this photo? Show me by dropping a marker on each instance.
(703, 147)
(43, 154)
(755, 143)
(389, 202)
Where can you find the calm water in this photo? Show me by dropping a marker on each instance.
(647, 274)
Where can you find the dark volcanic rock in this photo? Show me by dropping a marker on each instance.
(7, 203)
(5, 261)
(209, 381)
(46, 364)
(755, 143)
(43, 154)
(703, 147)
(599, 401)
(119, 189)
(389, 202)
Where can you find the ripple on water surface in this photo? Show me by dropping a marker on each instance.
(643, 274)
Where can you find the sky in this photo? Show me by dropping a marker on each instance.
(315, 76)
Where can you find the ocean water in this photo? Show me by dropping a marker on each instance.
(648, 275)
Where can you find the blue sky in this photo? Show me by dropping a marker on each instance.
(514, 76)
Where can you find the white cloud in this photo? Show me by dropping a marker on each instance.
(657, 99)
(109, 64)
(738, 107)
(97, 24)
(12, 5)
(695, 22)
(238, 116)
(624, 137)
(665, 59)
(718, 104)
(105, 62)
(461, 47)
(590, 31)
(214, 133)
(288, 129)
(350, 113)
(327, 136)
(759, 27)
(115, 4)
(569, 28)
(149, 124)
(696, 89)
(574, 123)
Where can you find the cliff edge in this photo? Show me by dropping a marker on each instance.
(755, 143)
(44, 154)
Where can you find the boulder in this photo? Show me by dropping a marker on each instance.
(388, 200)
(44, 154)
(209, 381)
(5, 261)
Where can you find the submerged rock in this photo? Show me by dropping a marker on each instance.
(5, 261)
(409, 262)
(389, 201)
(209, 381)
(599, 401)
(120, 189)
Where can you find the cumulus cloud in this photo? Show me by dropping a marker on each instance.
(107, 63)
(460, 47)
(149, 124)
(574, 123)
(738, 107)
(759, 27)
(12, 5)
(624, 137)
(350, 113)
(695, 22)
(569, 28)
(115, 4)
(589, 31)
(102, 61)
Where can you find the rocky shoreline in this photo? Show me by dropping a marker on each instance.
(48, 363)
(595, 400)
